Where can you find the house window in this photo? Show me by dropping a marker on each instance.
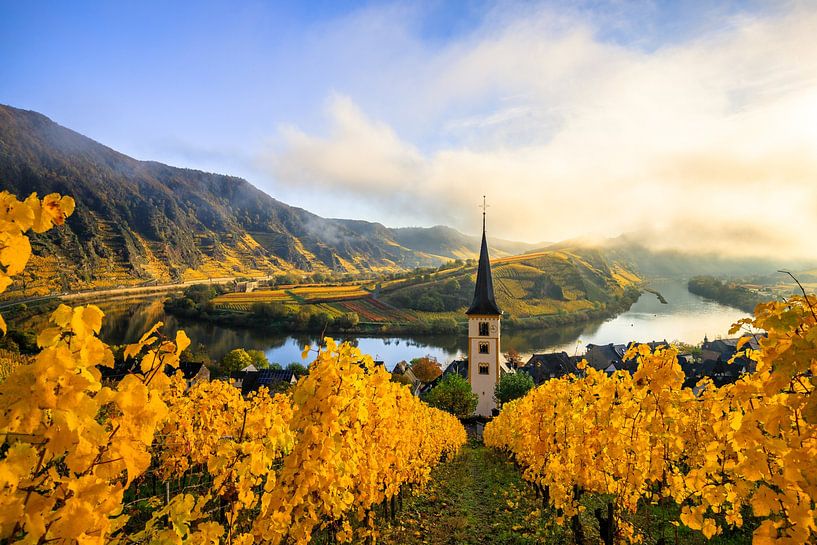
(483, 348)
(483, 329)
(483, 368)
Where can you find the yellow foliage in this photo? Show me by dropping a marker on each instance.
(277, 467)
(640, 437)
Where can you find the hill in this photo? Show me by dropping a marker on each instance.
(648, 262)
(556, 282)
(142, 221)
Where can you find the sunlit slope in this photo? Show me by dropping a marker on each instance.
(142, 221)
(545, 282)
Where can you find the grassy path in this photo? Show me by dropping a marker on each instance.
(478, 498)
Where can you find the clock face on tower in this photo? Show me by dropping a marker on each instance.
(493, 328)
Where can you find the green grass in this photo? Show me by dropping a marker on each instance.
(477, 498)
(481, 498)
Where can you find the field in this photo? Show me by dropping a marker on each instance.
(291, 294)
(333, 300)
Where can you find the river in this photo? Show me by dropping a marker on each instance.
(686, 317)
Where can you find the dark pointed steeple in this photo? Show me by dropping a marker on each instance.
(484, 302)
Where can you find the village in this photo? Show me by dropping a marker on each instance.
(722, 360)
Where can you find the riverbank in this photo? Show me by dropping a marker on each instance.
(727, 293)
(271, 317)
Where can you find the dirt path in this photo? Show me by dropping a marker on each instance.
(478, 498)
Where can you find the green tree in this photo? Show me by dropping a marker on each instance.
(512, 386)
(235, 360)
(320, 321)
(200, 293)
(348, 320)
(298, 369)
(444, 325)
(453, 394)
(259, 359)
(268, 312)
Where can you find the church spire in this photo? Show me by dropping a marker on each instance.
(484, 302)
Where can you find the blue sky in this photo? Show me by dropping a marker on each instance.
(405, 113)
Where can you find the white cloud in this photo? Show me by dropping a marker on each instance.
(706, 144)
(360, 154)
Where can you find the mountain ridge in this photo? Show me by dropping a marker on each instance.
(144, 221)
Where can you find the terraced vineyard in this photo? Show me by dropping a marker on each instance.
(535, 284)
(297, 294)
(333, 300)
(560, 282)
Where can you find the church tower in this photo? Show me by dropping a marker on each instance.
(483, 333)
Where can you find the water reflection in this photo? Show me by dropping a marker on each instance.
(686, 317)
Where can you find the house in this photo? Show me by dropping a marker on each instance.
(404, 369)
(724, 349)
(459, 367)
(193, 372)
(611, 357)
(602, 356)
(715, 356)
(273, 379)
(543, 367)
(246, 287)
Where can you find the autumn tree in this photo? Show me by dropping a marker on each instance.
(426, 369)
(513, 358)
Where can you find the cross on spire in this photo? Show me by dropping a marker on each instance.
(484, 207)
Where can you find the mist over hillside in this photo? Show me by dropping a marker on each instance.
(143, 221)
(632, 251)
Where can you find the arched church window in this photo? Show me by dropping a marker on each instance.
(483, 329)
(483, 348)
(483, 369)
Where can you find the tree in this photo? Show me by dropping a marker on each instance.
(235, 360)
(269, 312)
(200, 293)
(426, 369)
(513, 358)
(297, 369)
(259, 359)
(454, 395)
(320, 321)
(512, 386)
(444, 325)
(348, 320)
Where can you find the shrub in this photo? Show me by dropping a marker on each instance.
(454, 395)
(512, 386)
